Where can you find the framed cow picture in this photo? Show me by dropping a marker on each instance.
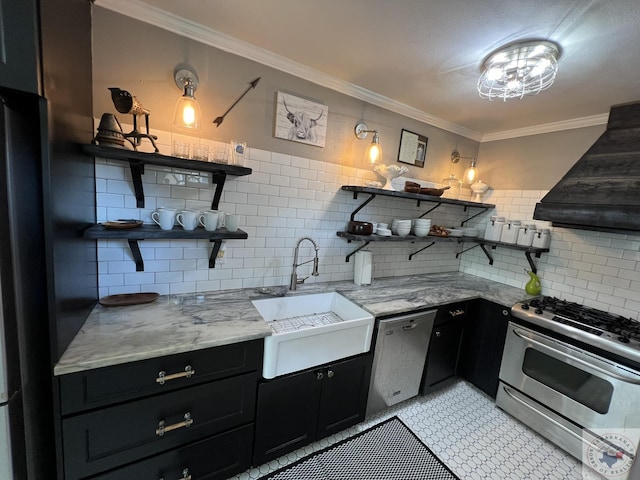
(300, 120)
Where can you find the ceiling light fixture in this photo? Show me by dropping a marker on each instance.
(519, 69)
(187, 114)
(373, 153)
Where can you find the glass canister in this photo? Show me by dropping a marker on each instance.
(454, 184)
(510, 231)
(542, 238)
(525, 235)
(493, 232)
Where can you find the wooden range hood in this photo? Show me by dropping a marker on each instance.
(602, 190)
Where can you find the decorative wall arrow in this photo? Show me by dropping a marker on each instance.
(253, 84)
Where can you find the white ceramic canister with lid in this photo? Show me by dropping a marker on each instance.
(526, 233)
(542, 238)
(510, 231)
(494, 229)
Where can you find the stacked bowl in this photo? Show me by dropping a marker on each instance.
(404, 227)
(421, 227)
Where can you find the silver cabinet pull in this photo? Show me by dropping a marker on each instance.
(506, 313)
(185, 475)
(456, 313)
(162, 428)
(438, 334)
(330, 373)
(163, 377)
(319, 375)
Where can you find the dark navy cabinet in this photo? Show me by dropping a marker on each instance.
(300, 408)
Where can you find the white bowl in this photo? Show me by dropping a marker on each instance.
(403, 232)
(421, 232)
(384, 232)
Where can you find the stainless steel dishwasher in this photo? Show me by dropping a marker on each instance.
(399, 358)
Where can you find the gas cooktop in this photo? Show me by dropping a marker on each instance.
(612, 333)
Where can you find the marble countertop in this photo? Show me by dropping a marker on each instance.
(179, 323)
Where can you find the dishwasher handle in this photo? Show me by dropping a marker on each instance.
(410, 326)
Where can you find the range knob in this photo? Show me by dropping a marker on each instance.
(623, 339)
(525, 306)
(539, 311)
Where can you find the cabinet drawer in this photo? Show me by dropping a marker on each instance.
(215, 458)
(97, 441)
(106, 386)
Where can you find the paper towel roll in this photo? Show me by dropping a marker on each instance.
(363, 268)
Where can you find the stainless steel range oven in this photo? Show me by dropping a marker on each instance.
(572, 373)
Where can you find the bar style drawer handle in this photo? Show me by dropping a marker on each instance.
(456, 313)
(163, 377)
(162, 428)
(185, 475)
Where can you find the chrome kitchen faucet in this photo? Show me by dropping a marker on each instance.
(294, 276)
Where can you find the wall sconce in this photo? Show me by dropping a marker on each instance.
(471, 173)
(373, 153)
(187, 112)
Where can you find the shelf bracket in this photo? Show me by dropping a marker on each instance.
(430, 210)
(418, 251)
(137, 170)
(355, 195)
(472, 217)
(137, 256)
(214, 253)
(218, 179)
(531, 262)
(356, 251)
(484, 249)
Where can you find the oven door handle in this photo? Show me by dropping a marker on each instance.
(603, 368)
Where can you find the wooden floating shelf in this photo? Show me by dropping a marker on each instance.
(137, 161)
(153, 232)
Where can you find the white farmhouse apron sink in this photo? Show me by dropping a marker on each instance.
(311, 330)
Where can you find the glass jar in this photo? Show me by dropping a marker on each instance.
(455, 186)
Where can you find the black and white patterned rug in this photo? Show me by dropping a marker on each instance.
(387, 451)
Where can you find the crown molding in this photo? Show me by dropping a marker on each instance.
(581, 122)
(181, 26)
(143, 12)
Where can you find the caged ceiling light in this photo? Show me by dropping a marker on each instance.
(519, 69)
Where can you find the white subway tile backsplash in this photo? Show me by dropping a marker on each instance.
(287, 197)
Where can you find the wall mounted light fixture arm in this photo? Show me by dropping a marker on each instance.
(471, 173)
(187, 112)
(373, 154)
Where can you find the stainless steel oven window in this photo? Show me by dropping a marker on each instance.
(591, 391)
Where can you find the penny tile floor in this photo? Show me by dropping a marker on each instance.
(465, 429)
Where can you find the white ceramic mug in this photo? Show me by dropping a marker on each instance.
(209, 220)
(232, 222)
(165, 217)
(188, 219)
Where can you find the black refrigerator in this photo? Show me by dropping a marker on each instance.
(25, 382)
(48, 271)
